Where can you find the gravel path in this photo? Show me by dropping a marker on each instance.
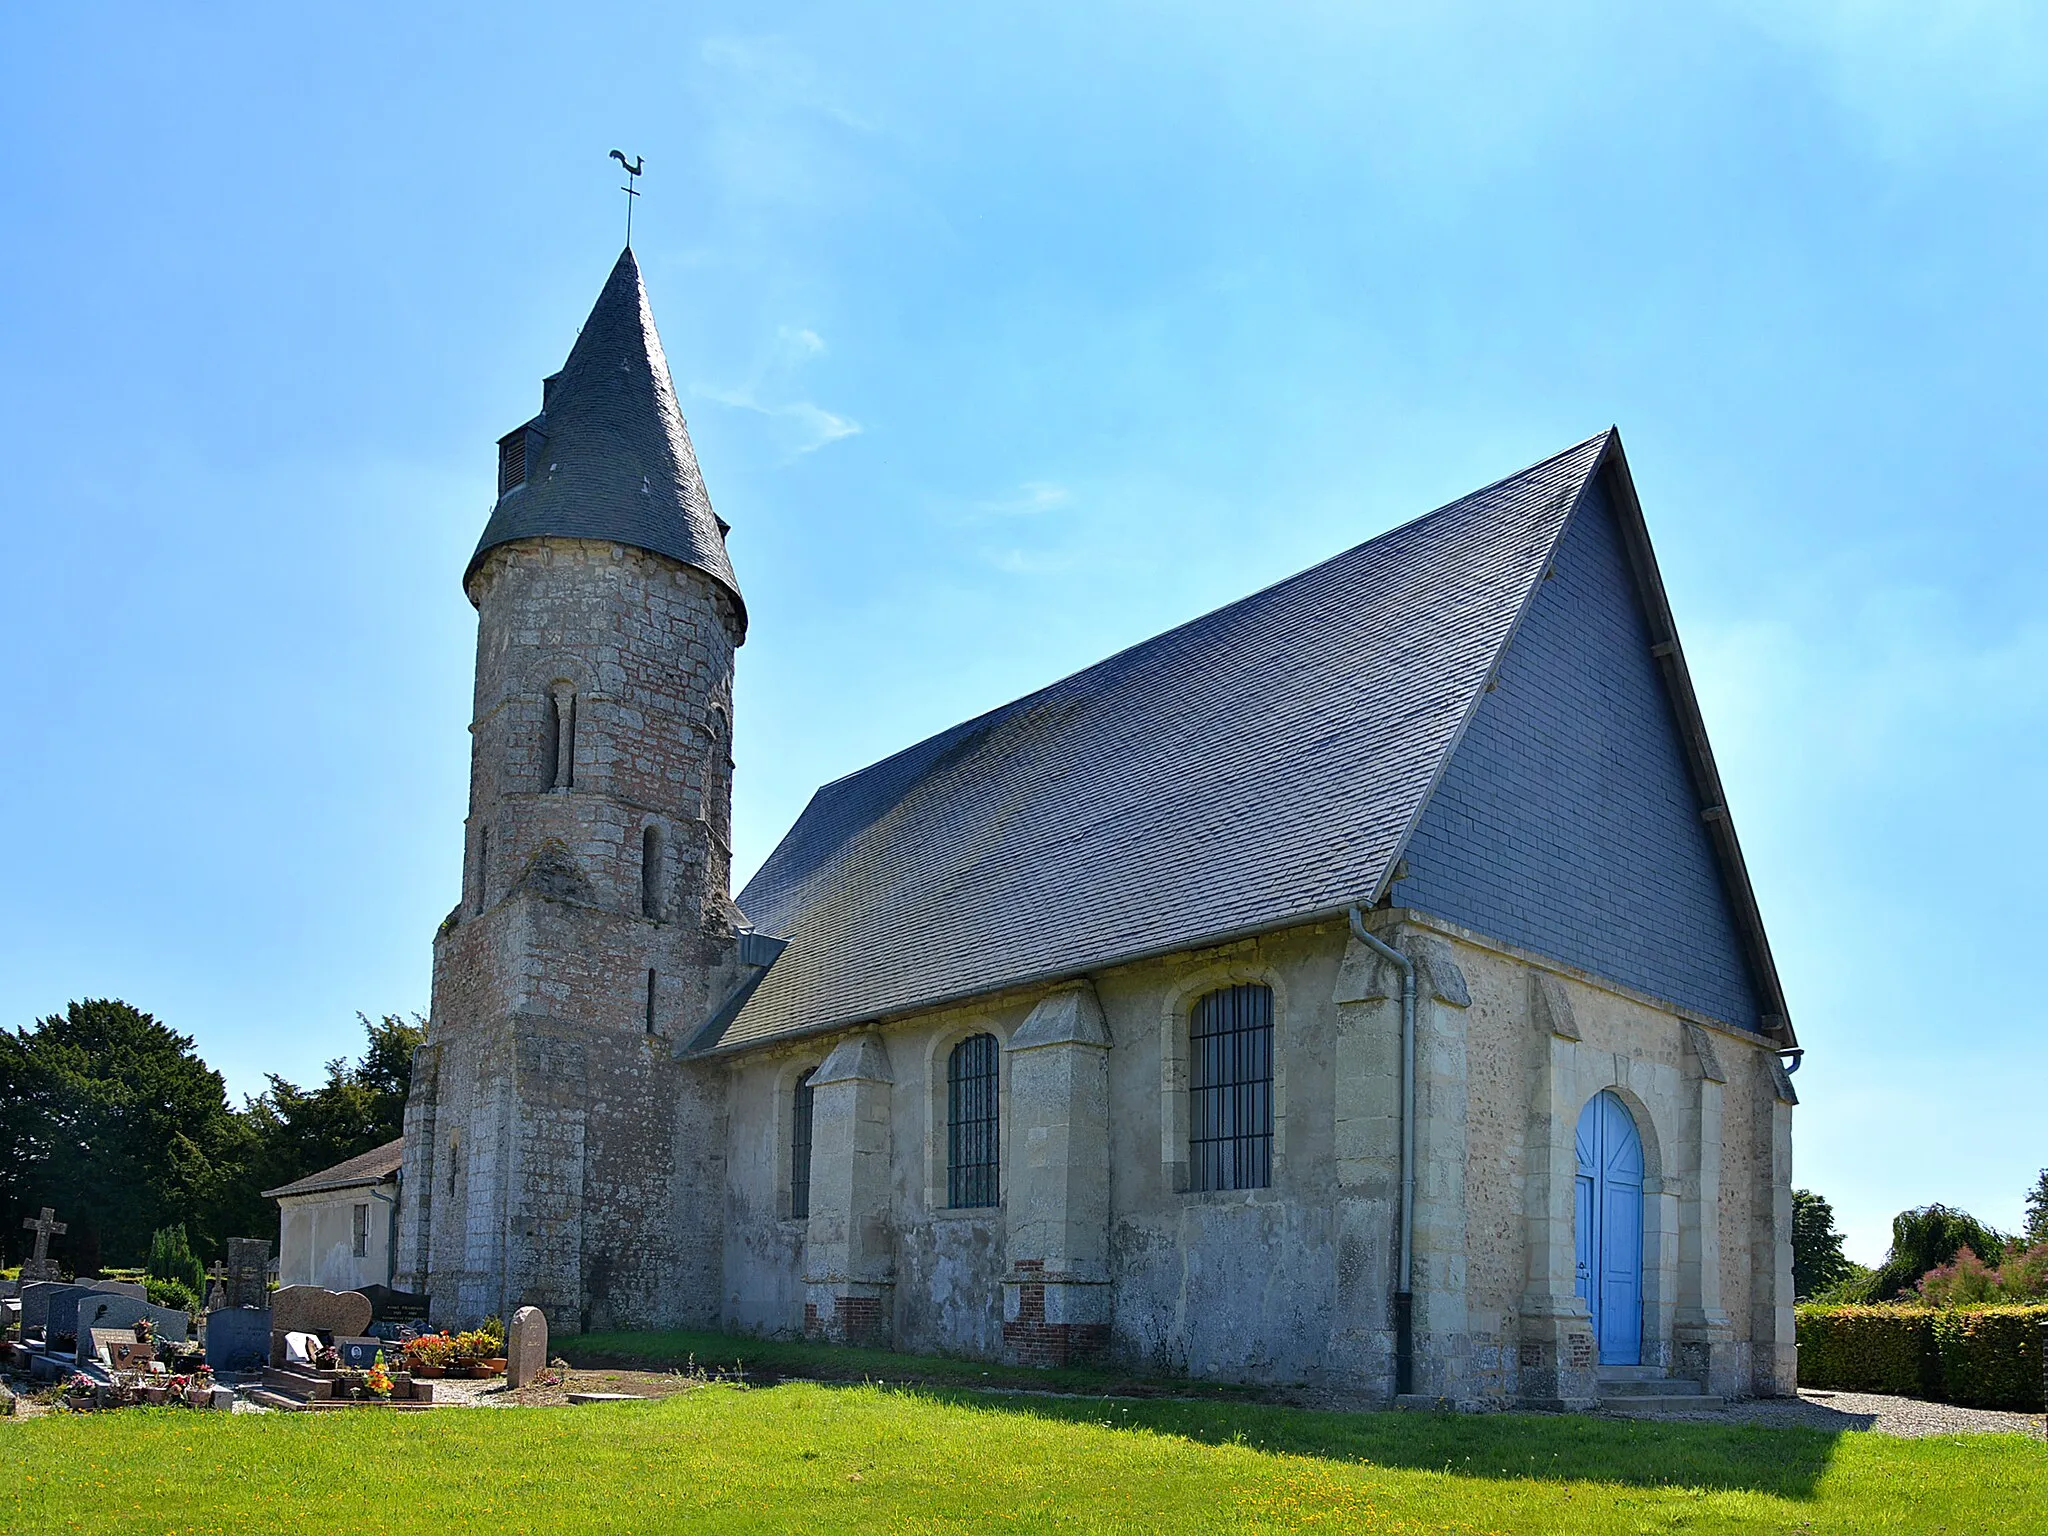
(1903, 1416)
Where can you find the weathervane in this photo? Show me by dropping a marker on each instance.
(633, 168)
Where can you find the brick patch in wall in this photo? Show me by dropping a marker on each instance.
(1029, 1339)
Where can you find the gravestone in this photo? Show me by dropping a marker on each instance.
(309, 1309)
(122, 1311)
(119, 1288)
(247, 1279)
(237, 1339)
(359, 1354)
(62, 1319)
(217, 1286)
(391, 1311)
(35, 1303)
(119, 1349)
(526, 1346)
(39, 1265)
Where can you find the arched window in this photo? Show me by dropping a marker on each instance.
(650, 873)
(558, 741)
(1230, 1089)
(800, 1147)
(973, 1159)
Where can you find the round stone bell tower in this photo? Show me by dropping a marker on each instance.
(558, 1153)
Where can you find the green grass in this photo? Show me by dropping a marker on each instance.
(778, 1358)
(823, 1459)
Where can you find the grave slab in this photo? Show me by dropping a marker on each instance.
(122, 1311)
(237, 1339)
(64, 1302)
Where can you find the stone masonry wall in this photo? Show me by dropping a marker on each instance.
(558, 1154)
(1293, 1282)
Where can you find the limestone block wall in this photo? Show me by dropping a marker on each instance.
(1294, 1282)
(558, 1154)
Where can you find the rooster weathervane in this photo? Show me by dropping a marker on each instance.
(633, 169)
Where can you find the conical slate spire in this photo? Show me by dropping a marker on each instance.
(609, 456)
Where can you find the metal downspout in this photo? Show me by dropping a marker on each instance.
(1404, 1293)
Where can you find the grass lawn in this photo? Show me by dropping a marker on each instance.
(775, 1359)
(822, 1459)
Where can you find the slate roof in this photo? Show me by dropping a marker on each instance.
(371, 1167)
(611, 458)
(1260, 765)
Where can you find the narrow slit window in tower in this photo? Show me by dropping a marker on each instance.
(650, 1002)
(568, 773)
(650, 873)
(483, 868)
(551, 742)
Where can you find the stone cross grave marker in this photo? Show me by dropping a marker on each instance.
(248, 1276)
(217, 1287)
(45, 1226)
(526, 1346)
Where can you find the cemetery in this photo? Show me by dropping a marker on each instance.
(89, 1344)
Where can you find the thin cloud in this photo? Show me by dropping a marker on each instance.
(1034, 497)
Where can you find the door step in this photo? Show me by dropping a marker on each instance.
(1639, 1390)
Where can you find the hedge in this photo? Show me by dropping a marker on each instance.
(1985, 1357)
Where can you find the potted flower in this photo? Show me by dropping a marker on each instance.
(426, 1358)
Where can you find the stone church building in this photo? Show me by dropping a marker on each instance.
(1357, 985)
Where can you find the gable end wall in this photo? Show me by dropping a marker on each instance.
(1567, 822)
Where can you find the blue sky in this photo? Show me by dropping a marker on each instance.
(1006, 340)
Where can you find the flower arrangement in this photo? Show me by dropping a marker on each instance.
(427, 1356)
(145, 1330)
(377, 1381)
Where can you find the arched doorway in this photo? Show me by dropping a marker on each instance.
(1610, 1227)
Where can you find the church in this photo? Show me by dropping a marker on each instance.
(1359, 985)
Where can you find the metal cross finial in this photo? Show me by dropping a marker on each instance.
(633, 169)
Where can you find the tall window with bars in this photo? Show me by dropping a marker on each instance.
(800, 1148)
(973, 1123)
(1230, 1089)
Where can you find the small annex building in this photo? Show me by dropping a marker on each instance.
(335, 1227)
(1360, 984)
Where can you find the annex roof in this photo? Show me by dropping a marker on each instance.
(372, 1167)
(609, 456)
(1257, 767)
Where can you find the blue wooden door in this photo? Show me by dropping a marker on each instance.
(1609, 1234)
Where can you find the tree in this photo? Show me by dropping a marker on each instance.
(112, 1118)
(2037, 1212)
(1817, 1258)
(295, 1131)
(1925, 1239)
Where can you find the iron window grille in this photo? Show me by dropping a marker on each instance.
(361, 1215)
(1230, 1119)
(800, 1149)
(973, 1092)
